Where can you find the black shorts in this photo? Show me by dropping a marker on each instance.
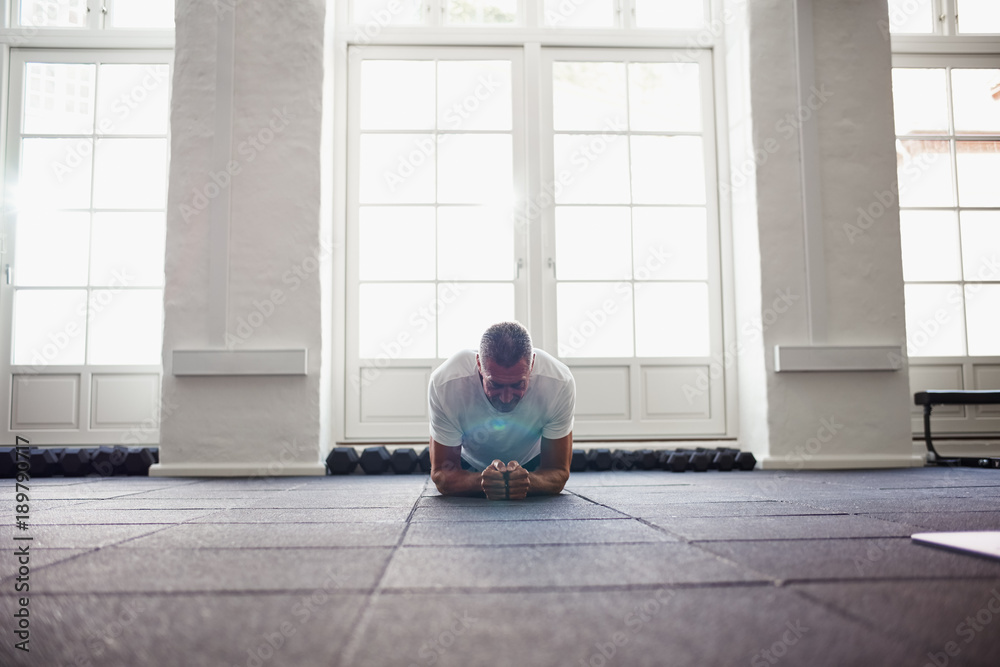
(530, 466)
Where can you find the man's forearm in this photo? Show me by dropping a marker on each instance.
(458, 482)
(547, 481)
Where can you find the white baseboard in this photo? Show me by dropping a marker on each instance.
(261, 470)
(850, 462)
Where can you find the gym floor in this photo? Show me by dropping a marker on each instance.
(624, 568)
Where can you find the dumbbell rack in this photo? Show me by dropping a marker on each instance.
(405, 460)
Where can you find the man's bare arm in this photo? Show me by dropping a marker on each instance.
(448, 476)
(553, 469)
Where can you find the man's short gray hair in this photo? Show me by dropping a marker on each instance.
(506, 343)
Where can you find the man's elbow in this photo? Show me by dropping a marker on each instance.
(443, 481)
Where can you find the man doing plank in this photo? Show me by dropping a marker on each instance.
(508, 402)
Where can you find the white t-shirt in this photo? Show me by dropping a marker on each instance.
(461, 414)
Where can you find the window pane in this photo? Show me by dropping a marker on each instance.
(664, 96)
(930, 245)
(55, 173)
(671, 320)
(981, 245)
(397, 168)
(50, 249)
(594, 319)
(667, 170)
(473, 95)
(125, 326)
(133, 99)
(920, 101)
(592, 168)
(49, 326)
(150, 13)
(476, 169)
(671, 14)
(397, 95)
(475, 243)
(466, 310)
(54, 13)
(130, 173)
(589, 96)
(978, 164)
(397, 320)
(481, 12)
(580, 13)
(59, 98)
(670, 243)
(396, 243)
(593, 243)
(127, 249)
(935, 325)
(374, 15)
(982, 311)
(924, 173)
(978, 16)
(977, 100)
(909, 16)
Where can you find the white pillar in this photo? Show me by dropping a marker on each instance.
(812, 142)
(243, 340)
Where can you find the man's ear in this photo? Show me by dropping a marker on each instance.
(479, 366)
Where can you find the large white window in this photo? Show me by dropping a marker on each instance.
(946, 92)
(571, 188)
(85, 170)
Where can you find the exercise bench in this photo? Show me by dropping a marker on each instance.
(934, 397)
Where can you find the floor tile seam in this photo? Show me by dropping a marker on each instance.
(766, 582)
(255, 548)
(744, 516)
(363, 616)
(201, 592)
(596, 518)
(35, 568)
(600, 504)
(700, 540)
(539, 544)
(888, 579)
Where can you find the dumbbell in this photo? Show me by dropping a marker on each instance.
(724, 461)
(677, 461)
(8, 463)
(646, 459)
(699, 461)
(75, 462)
(342, 460)
(403, 461)
(745, 461)
(138, 460)
(44, 461)
(374, 460)
(424, 459)
(578, 463)
(108, 461)
(622, 459)
(599, 459)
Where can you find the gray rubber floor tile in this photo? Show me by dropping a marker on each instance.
(569, 566)
(730, 509)
(301, 630)
(658, 626)
(902, 503)
(781, 527)
(565, 506)
(98, 516)
(141, 503)
(877, 558)
(250, 535)
(335, 500)
(291, 515)
(78, 537)
(125, 570)
(486, 533)
(928, 615)
(944, 521)
(37, 559)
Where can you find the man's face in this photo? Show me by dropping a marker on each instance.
(504, 387)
